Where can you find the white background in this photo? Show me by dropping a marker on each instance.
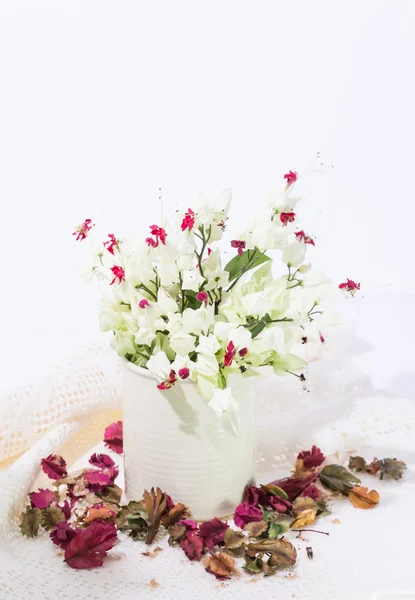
(103, 102)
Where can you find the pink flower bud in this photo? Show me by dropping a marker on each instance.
(202, 297)
(143, 303)
(184, 373)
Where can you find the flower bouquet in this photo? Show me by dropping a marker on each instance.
(193, 332)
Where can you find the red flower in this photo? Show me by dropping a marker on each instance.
(82, 230)
(202, 297)
(243, 352)
(229, 354)
(97, 480)
(350, 286)
(238, 244)
(189, 220)
(119, 274)
(168, 382)
(254, 496)
(246, 513)
(313, 492)
(279, 504)
(54, 466)
(101, 461)
(184, 373)
(222, 225)
(159, 233)
(143, 303)
(42, 499)
(111, 244)
(291, 177)
(62, 534)
(293, 486)
(302, 237)
(113, 437)
(287, 217)
(213, 532)
(311, 458)
(89, 547)
(192, 545)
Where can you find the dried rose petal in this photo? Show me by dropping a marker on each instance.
(313, 492)
(293, 486)
(169, 503)
(246, 513)
(279, 504)
(42, 499)
(213, 532)
(62, 534)
(97, 480)
(311, 458)
(189, 524)
(101, 461)
(54, 466)
(192, 545)
(113, 437)
(89, 547)
(66, 509)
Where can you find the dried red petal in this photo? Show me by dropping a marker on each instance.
(311, 458)
(189, 524)
(97, 480)
(169, 503)
(42, 499)
(293, 486)
(313, 492)
(101, 461)
(89, 547)
(213, 532)
(54, 466)
(62, 534)
(279, 504)
(193, 545)
(113, 437)
(246, 513)
(254, 496)
(66, 509)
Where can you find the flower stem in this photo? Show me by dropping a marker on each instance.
(310, 530)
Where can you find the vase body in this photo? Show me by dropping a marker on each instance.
(175, 441)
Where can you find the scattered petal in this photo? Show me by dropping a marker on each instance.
(54, 466)
(89, 547)
(192, 545)
(220, 565)
(213, 532)
(360, 497)
(62, 534)
(113, 437)
(246, 513)
(42, 499)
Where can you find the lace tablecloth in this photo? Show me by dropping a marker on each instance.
(367, 555)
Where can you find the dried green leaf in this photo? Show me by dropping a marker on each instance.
(253, 564)
(256, 528)
(338, 479)
(234, 542)
(283, 552)
(111, 493)
(30, 523)
(177, 532)
(274, 490)
(390, 467)
(122, 517)
(276, 529)
(357, 463)
(135, 507)
(51, 516)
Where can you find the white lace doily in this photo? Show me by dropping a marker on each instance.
(367, 552)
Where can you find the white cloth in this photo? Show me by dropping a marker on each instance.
(367, 551)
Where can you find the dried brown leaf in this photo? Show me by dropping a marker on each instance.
(220, 565)
(154, 506)
(283, 552)
(360, 497)
(177, 513)
(256, 528)
(304, 518)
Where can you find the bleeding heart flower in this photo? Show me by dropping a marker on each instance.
(350, 286)
(111, 244)
(82, 230)
(159, 233)
(291, 177)
(119, 274)
(246, 513)
(243, 352)
(113, 437)
(42, 499)
(168, 382)
(286, 218)
(54, 466)
(302, 237)
(189, 220)
(240, 244)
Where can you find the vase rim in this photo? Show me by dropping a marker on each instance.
(145, 372)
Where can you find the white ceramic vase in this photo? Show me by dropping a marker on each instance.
(173, 440)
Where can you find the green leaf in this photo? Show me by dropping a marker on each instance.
(111, 493)
(234, 542)
(253, 564)
(283, 552)
(274, 490)
(242, 263)
(276, 529)
(391, 467)
(338, 479)
(357, 463)
(31, 519)
(51, 516)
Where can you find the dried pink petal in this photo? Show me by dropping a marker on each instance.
(101, 461)
(42, 499)
(311, 458)
(313, 492)
(89, 547)
(113, 437)
(246, 513)
(279, 504)
(54, 466)
(63, 533)
(192, 545)
(66, 509)
(97, 480)
(213, 532)
(169, 503)
(293, 486)
(189, 524)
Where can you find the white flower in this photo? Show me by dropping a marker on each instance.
(208, 345)
(241, 337)
(185, 261)
(294, 254)
(222, 329)
(165, 303)
(207, 365)
(123, 343)
(182, 343)
(274, 338)
(168, 273)
(192, 280)
(223, 401)
(159, 365)
(183, 362)
(197, 321)
(144, 336)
